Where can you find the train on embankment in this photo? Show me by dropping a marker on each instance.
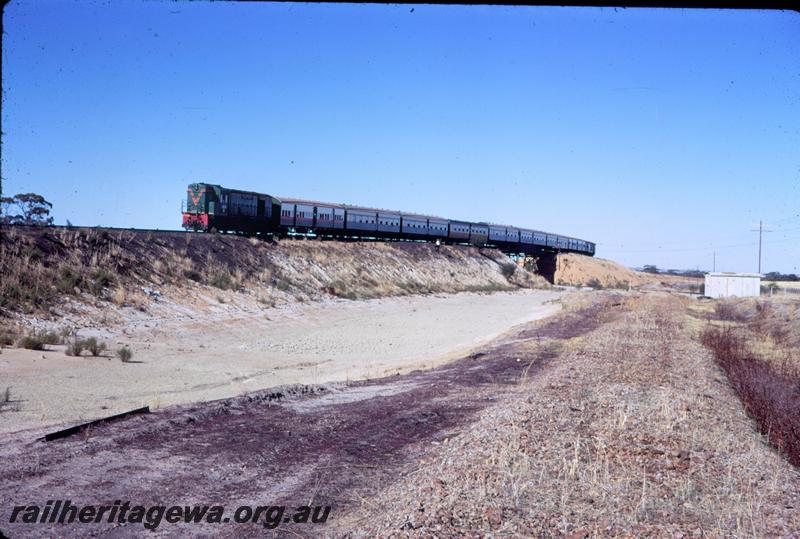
(210, 207)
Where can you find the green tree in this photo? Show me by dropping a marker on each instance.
(25, 209)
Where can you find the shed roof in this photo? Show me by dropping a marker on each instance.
(732, 274)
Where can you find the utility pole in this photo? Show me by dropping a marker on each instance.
(760, 230)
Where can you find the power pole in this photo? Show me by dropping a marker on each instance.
(760, 230)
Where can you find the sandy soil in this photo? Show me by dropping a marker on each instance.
(224, 353)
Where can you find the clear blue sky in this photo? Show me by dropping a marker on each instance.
(662, 135)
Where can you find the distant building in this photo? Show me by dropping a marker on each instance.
(726, 284)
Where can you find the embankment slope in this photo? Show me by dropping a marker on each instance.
(578, 270)
(50, 271)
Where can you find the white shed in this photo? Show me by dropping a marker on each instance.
(726, 284)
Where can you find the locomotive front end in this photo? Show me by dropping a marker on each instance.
(195, 207)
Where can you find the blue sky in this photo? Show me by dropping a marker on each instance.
(662, 135)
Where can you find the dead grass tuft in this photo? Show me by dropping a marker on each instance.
(8, 337)
(728, 312)
(31, 342)
(74, 347)
(125, 354)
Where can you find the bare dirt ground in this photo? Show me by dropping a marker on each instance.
(226, 351)
(608, 419)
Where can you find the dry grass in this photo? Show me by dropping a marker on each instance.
(38, 340)
(757, 343)
(791, 285)
(772, 397)
(631, 433)
(771, 328)
(75, 347)
(120, 297)
(9, 335)
(125, 354)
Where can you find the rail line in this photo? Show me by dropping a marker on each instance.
(544, 261)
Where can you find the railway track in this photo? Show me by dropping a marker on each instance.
(116, 229)
(291, 235)
(545, 258)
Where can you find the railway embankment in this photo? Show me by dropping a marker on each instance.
(576, 270)
(50, 271)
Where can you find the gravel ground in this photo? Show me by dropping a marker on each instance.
(209, 355)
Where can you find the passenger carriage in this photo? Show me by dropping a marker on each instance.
(211, 207)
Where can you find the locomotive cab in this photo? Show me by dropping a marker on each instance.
(202, 202)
